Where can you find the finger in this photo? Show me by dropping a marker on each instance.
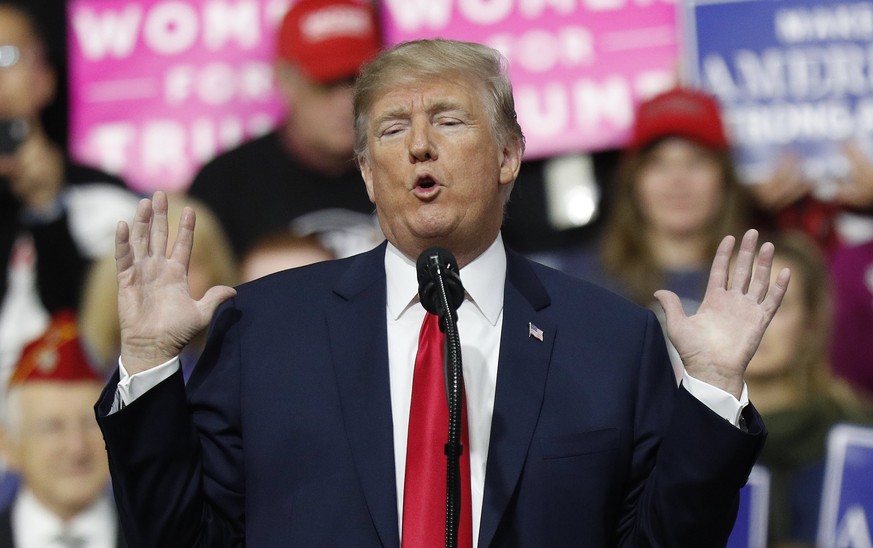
(671, 304)
(158, 232)
(123, 253)
(761, 281)
(185, 239)
(774, 296)
(212, 299)
(718, 274)
(742, 273)
(139, 230)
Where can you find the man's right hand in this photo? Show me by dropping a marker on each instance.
(158, 316)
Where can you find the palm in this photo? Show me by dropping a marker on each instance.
(718, 342)
(157, 314)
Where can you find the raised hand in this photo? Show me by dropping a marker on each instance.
(157, 313)
(718, 342)
(785, 185)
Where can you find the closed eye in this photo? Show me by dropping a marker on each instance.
(449, 121)
(392, 129)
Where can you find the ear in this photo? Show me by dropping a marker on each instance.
(367, 175)
(510, 162)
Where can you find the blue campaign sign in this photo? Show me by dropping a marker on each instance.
(793, 76)
(750, 529)
(847, 498)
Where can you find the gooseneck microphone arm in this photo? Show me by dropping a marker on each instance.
(441, 293)
(453, 448)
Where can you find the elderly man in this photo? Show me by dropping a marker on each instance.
(50, 439)
(307, 423)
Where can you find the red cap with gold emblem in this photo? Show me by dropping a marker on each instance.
(57, 355)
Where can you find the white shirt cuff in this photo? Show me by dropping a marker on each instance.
(723, 403)
(130, 387)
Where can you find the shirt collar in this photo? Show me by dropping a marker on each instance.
(483, 280)
(35, 525)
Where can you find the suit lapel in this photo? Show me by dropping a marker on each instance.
(521, 379)
(361, 365)
(358, 341)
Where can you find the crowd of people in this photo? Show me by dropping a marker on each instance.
(313, 190)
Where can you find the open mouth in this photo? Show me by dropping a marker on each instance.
(426, 186)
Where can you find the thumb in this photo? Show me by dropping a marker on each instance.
(214, 297)
(671, 304)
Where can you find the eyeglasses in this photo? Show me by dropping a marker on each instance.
(9, 56)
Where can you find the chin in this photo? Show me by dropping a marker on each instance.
(432, 226)
(82, 492)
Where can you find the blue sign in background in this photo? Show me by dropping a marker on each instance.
(793, 76)
(750, 529)
(847, 499)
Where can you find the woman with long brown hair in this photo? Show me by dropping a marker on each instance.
(676, 195)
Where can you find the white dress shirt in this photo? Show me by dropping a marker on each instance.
(480, 320)
(34, 526)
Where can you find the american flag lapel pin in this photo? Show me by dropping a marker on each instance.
(534, 331)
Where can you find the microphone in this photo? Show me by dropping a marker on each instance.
(439, 288)
(436, 267)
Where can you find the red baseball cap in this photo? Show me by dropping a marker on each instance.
(681, 112)
(57, 355)
(329, 40)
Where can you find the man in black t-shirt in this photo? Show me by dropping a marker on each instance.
(303, 172)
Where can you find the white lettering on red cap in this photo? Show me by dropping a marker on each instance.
(336, 21)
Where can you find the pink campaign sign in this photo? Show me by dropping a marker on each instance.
(159, 87)
(578, 67)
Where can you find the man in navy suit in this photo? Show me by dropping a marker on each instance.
(292, 430)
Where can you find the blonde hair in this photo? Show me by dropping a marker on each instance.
(424, 59)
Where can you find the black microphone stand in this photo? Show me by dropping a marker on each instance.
(454, 386)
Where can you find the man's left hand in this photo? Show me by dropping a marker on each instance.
(717, 343)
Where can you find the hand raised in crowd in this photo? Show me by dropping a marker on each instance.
(157, 314)
(718, 342)
(857, 189)
(35, 171)
(785, 185)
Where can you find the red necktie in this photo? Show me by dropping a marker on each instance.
(424, 491)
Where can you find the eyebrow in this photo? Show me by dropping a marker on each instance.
(395, 113)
